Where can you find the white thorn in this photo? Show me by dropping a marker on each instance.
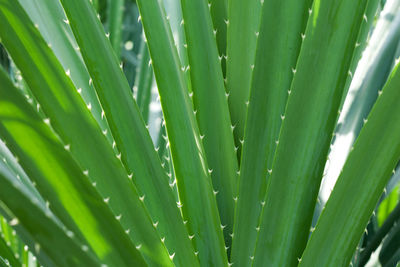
(13, 222)
(350, 74)
(172, 256)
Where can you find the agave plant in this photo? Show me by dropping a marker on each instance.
(229, 173)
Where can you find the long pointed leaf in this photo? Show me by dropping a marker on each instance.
(276, 56)
(371, 74)
(7, 253)
(69, 115)
(50, 19)
(188, 155)
(49, 235)
(305, 136)
(363, 178)
(115, 17)
(60, 180)
(128, 128)
(219, 15)
(242, 31)
(212, 108)
(174, 12)
(144, 82)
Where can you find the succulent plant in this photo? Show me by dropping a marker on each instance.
(255, 96)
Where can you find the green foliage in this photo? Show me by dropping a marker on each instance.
(92, 174)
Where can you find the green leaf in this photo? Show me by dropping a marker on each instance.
(388, 205)
(391, 245)
(311, 113)
(371, 74)
(68, 116)
(28, 237)
(129, 130)
(244, 24)
(394, 260)
(188, 155)
(276, 56)
(6, 251)
(144, 82)
(380, 234)
(363, 40)
(174, 12)
(212, 110)
(219, 15)
(11, 163)
(60, 180)
(50, 19)
(48, 232)
(115, 17)
(360, 184)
